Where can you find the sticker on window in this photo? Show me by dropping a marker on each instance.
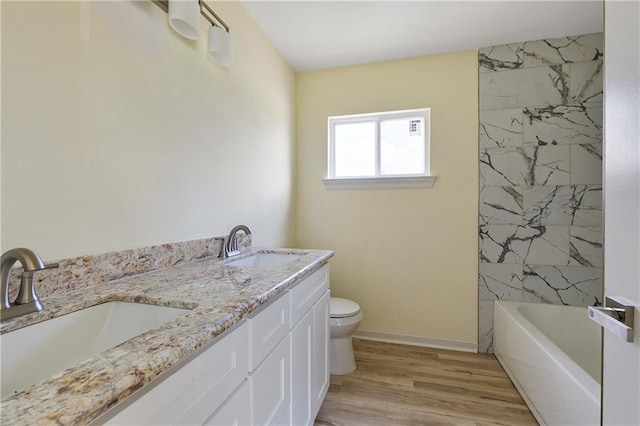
(415, 127)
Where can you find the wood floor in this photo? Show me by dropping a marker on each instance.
(408, 385)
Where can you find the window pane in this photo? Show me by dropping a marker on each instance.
(402, 146)
(355, 149)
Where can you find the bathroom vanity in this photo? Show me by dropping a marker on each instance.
(252, 348)
(270, 369)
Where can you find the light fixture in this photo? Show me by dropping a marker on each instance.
(220, 45)
(185, 20)
(219, 38)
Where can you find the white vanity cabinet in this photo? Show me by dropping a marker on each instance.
(309, 346)
(272, 369)
(289, 384)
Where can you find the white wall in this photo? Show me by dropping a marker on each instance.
(118, 133)
(408, 256)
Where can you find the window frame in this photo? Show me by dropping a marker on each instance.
(379, 181)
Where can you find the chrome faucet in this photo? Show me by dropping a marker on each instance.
(27, 301)
(230, 247)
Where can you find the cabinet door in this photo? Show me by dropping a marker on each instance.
(301, 369)
(271, 387)
(320, 370)
(234, 411)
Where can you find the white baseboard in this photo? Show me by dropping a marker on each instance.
(407, 339)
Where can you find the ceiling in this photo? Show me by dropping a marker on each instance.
(313, 35)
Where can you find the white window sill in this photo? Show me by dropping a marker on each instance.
(387, 182)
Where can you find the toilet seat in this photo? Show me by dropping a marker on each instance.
(342, 308)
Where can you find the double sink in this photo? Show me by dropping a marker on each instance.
(36, 352)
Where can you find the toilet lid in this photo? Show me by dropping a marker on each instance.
(340, 308)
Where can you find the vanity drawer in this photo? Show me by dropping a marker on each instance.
(267, 328)
(192, 393)
(307, 292)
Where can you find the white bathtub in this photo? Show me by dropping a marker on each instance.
(552, 353)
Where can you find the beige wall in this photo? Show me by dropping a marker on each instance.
(119, 133)
(408, 257)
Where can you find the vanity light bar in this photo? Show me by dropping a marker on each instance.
(184, 18)
(164, 5)
(206, 6)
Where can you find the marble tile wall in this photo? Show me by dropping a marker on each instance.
(84, 271)
(540, 142)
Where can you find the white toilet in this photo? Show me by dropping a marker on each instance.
(345, 316)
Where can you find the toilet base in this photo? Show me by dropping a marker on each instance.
(342, 360)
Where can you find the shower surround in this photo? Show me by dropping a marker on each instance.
(540, 141)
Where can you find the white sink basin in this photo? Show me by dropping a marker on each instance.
(265, 260)
(34, 353)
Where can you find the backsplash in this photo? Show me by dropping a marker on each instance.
(540, 142)
(84, 271)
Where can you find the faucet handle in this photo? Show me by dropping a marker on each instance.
(27, 293)
(231, 243)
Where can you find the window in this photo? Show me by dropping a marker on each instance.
(380, 150)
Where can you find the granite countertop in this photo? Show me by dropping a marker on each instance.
(218, 295)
